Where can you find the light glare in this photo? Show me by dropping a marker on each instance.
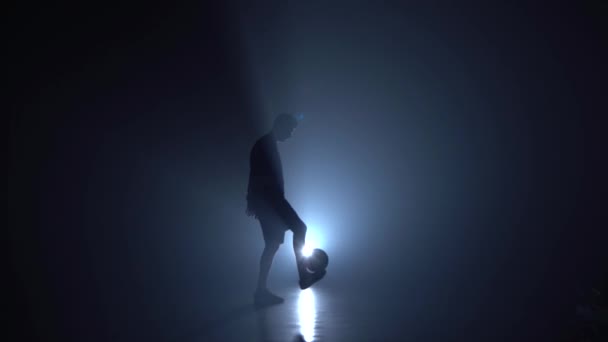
(307, 314)
(307, 250)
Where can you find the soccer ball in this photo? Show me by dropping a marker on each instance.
(317, 261)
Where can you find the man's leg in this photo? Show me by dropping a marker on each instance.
(298, 227)
(263, 297)
(270, 249)
(299, 239)
(273, 238)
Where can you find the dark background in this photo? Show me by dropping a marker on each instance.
(455, 150)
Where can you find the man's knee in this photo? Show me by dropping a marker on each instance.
(299, 229)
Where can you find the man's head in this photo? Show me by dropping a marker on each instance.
(283, 127)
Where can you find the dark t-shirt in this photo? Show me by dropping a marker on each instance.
(265, 173)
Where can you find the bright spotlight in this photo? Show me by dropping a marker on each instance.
(307, 250)
(313, 240)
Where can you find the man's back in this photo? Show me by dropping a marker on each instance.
(266, 174)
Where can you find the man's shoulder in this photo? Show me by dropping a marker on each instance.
(263, 142)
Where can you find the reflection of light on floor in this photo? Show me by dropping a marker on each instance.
(307, 314)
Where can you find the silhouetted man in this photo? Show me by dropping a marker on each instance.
(266, 202)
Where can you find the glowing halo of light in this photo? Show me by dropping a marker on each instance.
(307, 249)
(314, 239)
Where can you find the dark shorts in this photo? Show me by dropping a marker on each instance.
(275, 218)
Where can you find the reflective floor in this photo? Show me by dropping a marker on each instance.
(409, 304)
(300, 318)
(313, 314)
(321, 313)
(332, 311)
